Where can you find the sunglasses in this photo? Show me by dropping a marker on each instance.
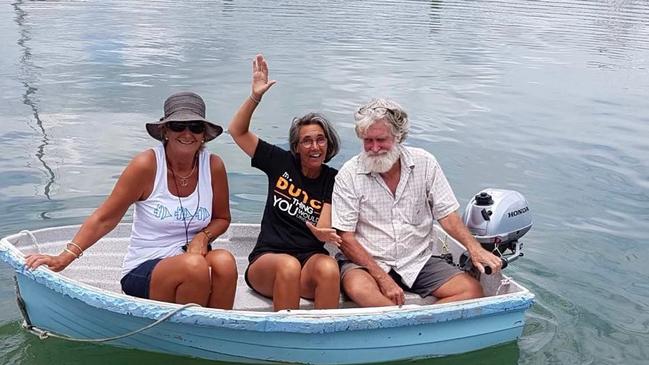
(194, 127)
(379, 110)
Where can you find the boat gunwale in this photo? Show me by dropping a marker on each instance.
(296, 321)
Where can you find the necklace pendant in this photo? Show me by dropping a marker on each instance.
(184, 182)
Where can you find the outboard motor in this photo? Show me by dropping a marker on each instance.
(497, 218)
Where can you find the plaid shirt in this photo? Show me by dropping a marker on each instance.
(396, 230)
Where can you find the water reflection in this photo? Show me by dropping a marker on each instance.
(544, 97)
(28, 72)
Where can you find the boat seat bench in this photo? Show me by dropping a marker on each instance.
(248, 299)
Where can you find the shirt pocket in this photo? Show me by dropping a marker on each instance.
(416, 210)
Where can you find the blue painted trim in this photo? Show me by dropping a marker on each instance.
(330, 321)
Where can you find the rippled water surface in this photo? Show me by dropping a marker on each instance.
(545, 97)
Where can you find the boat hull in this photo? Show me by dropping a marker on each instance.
(60, 305)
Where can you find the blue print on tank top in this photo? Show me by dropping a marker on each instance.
(162, 212)
(184, 214)
(202, 214)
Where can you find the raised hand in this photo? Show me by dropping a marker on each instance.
(260, 83)
(325, 234)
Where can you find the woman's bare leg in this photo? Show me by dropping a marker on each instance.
(320, 279)
(181, 279)
(224, 279)
(277, 276)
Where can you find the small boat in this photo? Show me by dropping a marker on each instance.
(85, 303)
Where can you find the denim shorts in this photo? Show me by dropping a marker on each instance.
(138, 280)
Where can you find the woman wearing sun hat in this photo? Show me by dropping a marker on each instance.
(181, 198)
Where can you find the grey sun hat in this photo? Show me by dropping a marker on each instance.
(184, 107)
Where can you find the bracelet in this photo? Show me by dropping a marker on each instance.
(255, 100)
(208, 234)
(77, 246)
(71, 252)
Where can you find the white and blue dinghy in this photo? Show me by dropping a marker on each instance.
(84, 302)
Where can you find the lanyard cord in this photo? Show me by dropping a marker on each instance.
(182, 209)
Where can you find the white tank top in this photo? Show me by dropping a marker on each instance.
(159, 222)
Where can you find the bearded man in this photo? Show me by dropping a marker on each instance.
(384, 203)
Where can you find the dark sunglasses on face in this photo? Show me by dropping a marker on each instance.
(194, 127)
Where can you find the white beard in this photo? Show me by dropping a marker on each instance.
(381, 162)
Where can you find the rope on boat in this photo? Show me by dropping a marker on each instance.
(42, 334)
(34, 240)
(503, 283)
(21, 305)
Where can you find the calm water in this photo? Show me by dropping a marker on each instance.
(545, 97)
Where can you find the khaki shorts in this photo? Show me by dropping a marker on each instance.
(432, 276)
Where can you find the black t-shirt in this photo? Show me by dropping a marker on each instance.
(293, 199)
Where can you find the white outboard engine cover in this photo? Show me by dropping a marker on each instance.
(496, 216)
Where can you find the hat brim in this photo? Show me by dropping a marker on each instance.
(212, 131)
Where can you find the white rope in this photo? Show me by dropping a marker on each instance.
(45, 334)
(445, 249)
(34, 240)
(503, 282)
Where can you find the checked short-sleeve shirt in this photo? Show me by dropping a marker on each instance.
(396, 230)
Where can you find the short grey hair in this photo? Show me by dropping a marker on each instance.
(333, 141)
(382, 109)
